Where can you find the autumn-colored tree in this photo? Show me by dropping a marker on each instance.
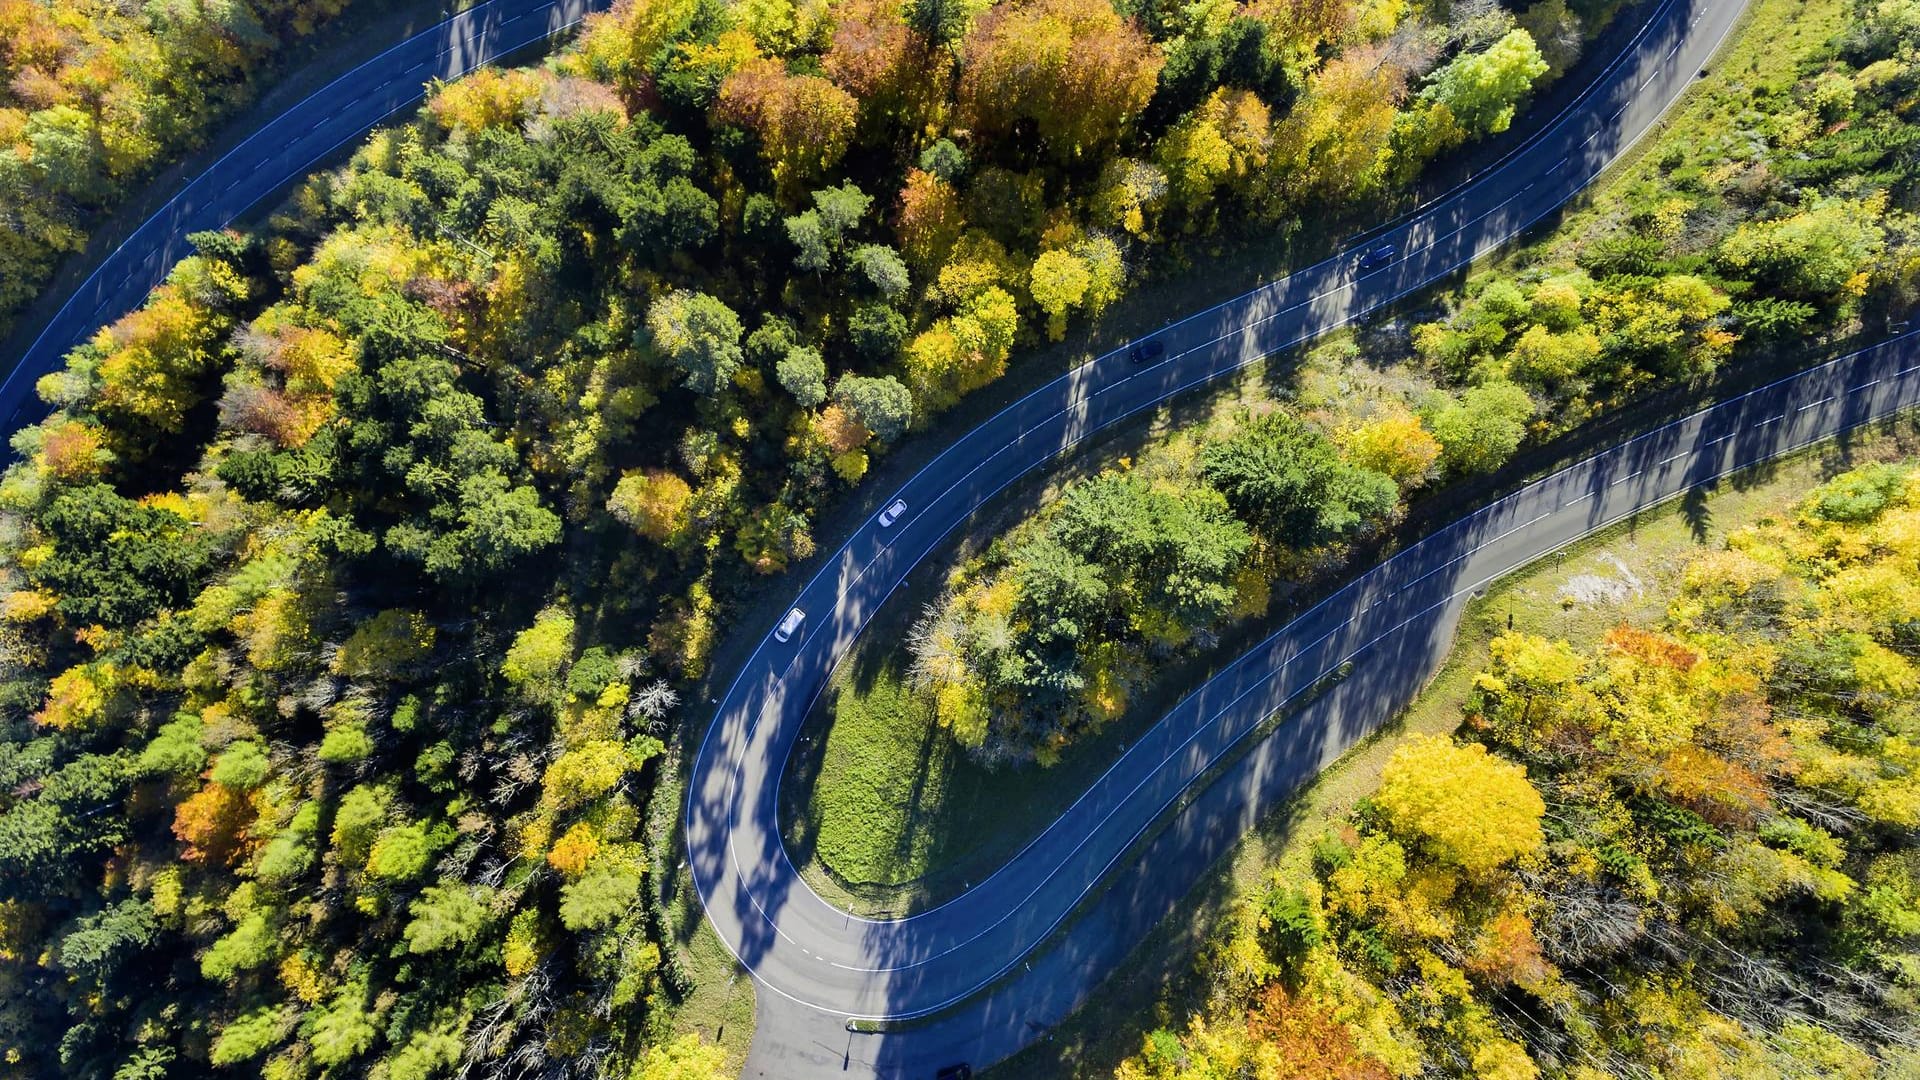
(1470, 808)
(685, 1058)
(1395, 443)
(212, 823)
(929, 220)
(1306, 1040)
(73, 451)
(488, 98)
(1335, 144)
(899, 81)
(1073, 68)
(804, 122)
(1221, 142)
(1059, 281)
(653, 502)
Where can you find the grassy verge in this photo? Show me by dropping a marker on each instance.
(1621, 575)
(716, 1000)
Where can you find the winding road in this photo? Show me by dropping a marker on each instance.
(281, 151)
(983, 975)
(986, 973)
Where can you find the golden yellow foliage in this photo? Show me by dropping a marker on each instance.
(1468, 807)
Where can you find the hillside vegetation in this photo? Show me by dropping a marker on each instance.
(96, 97)
(1779, 211)
(352, 585)
(1685, 850)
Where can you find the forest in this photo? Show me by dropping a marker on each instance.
(352, 586)
(96, 97)
(1780, 213)
(1686, 850)
(354, 583)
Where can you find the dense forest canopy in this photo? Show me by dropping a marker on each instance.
(95, 96)
(1687, 850)
(1785, 213)
(353, 582)
(352, 585)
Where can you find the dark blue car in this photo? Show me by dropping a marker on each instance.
(1376, 257)
(1146, 352)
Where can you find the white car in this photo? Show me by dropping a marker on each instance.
(790, 625)
(892, 513)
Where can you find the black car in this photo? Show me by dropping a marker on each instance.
(962, 1071)
(1376, 257)
(1144, 352)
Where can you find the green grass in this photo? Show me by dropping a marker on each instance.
(899, 817)
(721, 1005)
(887, 760)
(1158, 985)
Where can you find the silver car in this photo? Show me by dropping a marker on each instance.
(892, 513)
(790, 625)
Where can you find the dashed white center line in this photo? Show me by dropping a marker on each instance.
(1625, 478)
(1581, 499)
(1722, 438)
(1674, 458)
(1814, 404)
(1771, 420)
(1863, 386)
(1903, 371)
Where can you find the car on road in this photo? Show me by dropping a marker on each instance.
(1144, 352)
(892, 513)
(1377, 256)
(790, 625)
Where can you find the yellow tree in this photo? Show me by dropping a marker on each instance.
(1466, 806)
(1074, 68)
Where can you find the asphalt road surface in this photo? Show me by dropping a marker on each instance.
(281, 151)
(969, 980)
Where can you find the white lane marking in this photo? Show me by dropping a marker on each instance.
(1814, 404)
(1626, 478)
(1721, 439)
(1674, 458)
(1771, 420)
(1862, 386)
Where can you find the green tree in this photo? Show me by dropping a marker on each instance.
(1482, 428)
(242, 765)
(602, 894)
(445, 916)
(115, 562)
(883, 405)
(699, 335)
(882, 268)
(1826, 252)
(803, 372)
(1481, 90)
(1288, 481)
(1172, 552)
(876, 331)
